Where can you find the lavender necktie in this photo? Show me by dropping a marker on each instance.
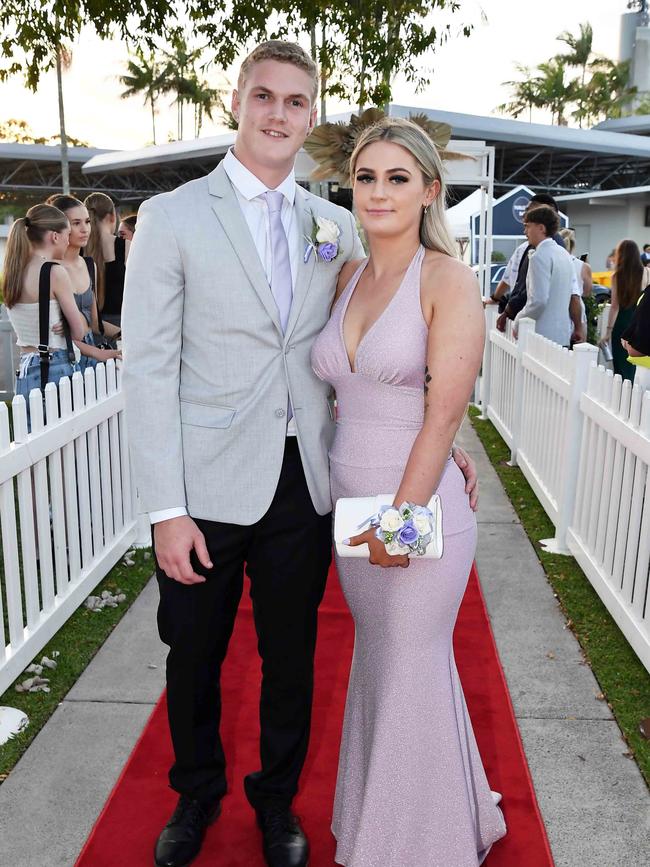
(281, 282)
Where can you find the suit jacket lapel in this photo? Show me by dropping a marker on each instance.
(305, 270)
(226, 207)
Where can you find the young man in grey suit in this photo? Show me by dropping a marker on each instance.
(229, 431)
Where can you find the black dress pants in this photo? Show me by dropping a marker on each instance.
(287, 555)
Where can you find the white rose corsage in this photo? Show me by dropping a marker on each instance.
(407, 530)
(324, 239)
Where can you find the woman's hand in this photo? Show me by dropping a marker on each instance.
(378, 554)
(605, 340)
(58, 328)
(111, 353)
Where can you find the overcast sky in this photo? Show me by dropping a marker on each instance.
(468, 72)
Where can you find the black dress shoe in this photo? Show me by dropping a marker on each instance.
(285, 844)
(182, 837)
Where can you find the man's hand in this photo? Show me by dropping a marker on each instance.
(502, 318)
(379, 556)
(468, 467)
(173, 541)
(579, 335)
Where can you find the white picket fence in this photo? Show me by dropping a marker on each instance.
(66, 507)
(582, 439)
(610, 532)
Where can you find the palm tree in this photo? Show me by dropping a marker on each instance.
(179, 74)
(204, 99)
(578, 56)
(524, 94)
(554, 93)
(63, 61)
(608, 93)
(144, 75)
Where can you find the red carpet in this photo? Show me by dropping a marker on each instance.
(141, 800)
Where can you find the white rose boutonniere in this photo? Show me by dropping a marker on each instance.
(324, 240)
(391, 521)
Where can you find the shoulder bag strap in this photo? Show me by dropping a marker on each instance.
(44, 281)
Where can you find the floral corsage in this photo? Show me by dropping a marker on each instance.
(324, 239)
(407, 530)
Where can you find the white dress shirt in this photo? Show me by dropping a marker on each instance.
(250, 190)
(550, 283)
(512, 268)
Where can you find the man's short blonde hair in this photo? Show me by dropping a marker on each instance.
(284, 52)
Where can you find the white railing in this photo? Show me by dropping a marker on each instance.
(66, 507)
(610, 532)
(498, 379)
(7, 356)
(582, 439)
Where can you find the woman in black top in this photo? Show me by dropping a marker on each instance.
(110, 254)
(636, 340)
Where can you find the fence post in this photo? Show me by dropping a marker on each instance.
(584, 355)
(525, 328)
(7, 340)
(491, 313)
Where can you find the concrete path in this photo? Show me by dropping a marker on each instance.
(593, 798)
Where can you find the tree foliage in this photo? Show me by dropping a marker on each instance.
(600, 90)
(361, 45)
(20, 132)
(32, 30)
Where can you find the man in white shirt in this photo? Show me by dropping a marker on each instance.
(551, 281)
(223, 301)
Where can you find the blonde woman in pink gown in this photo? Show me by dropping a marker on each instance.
(402, 351)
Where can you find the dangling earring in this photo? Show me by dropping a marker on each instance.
(426, 210)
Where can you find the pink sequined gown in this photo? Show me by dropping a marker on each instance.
(411, 789)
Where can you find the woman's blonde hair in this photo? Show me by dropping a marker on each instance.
(434, 229)
(569, 238)
(99, 207)
(27, 230)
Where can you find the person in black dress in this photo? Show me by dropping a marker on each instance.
(109, 253)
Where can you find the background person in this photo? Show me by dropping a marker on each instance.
(551, 278)
(516, 272)
(39, 238)
(83, 277)
(636, 340)
(126, 229)
(109, 254)
(629, 280)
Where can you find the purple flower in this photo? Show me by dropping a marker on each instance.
(408, 535)
(328, 251)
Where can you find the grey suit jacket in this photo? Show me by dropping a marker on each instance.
(207, 371)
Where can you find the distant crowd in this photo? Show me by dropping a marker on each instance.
(544, 280)
(63, 283)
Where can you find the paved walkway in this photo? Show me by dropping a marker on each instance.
(593, 798)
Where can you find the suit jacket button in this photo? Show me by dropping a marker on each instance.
(280, 413)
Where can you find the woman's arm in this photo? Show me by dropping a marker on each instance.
(93, 352)
(587, 280)
(613, 313)
(61, 288)
(454, 353)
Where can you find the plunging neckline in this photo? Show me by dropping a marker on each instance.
(352, 365)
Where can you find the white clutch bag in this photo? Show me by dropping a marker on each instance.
(352, 514)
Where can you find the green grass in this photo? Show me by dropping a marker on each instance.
(624, 681)
(77, 642)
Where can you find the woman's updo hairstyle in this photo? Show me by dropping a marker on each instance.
(27, 230)
(434, 229)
